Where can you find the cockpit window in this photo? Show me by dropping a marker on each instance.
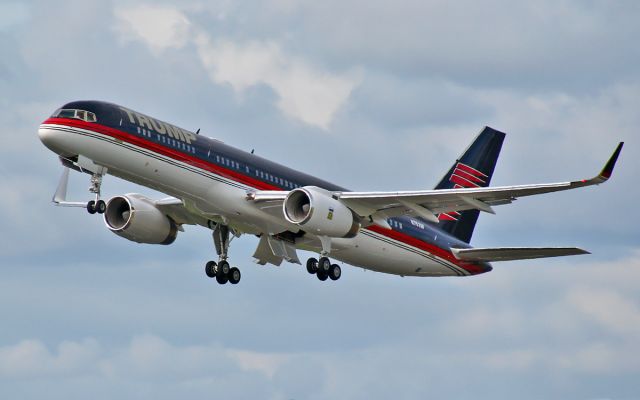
(87, 116)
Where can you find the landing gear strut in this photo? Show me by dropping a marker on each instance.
(323, 269)
(221, 270)
(97, 205)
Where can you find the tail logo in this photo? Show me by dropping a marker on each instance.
(463, 176)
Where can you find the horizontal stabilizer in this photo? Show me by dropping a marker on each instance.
(514, 253)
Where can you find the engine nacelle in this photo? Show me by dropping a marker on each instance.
(315, 210)
(136, 218)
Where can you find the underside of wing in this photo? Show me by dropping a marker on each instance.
(514, 253)
(176, 210)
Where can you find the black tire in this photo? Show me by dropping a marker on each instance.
(234, 276)
(91, 207)
(101, 207)
(210, 269)
(312, 265)
(324, 265)
(222, 279)
(224, 268)
(335, 272)
(322, 276)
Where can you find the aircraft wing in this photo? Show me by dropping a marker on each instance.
(428, 203)
(176, 210)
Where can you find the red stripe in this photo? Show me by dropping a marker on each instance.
(166, 151)
(468, 176)
(462, 182)
(192, 160)
(435, 250)
(470, 170)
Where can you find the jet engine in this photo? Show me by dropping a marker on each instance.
(318, 212)
(136, 218)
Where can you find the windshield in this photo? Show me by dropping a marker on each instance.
(75, 114)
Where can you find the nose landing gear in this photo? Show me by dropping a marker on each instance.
(97, 205)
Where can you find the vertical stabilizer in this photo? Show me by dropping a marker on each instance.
(473, 169)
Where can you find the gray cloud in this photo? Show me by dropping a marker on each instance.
(86, 312)
(497, 44)
(567, 327)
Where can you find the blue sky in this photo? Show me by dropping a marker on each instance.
(372, 95)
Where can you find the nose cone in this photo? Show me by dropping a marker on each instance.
(53, 139)
(47, 136)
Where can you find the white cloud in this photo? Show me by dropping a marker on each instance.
(266, 363)
(159, 27)
(304, 92)
(30, 358)
(146, 356)
(606, 308)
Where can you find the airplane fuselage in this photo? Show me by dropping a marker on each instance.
(213, 180)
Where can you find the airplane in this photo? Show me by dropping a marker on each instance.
(232, 192)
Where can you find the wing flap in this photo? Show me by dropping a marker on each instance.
(178, 212)
(514, 253)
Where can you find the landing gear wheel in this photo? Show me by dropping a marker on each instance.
(335, 272)
(324, 265)
(322, 275)
(91, 207)
(101, 206)
(224, 268)
(222, 274)
(210, 269)
(221, 278)
(312, 265)
(234, 275)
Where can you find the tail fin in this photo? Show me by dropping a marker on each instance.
(473, 169)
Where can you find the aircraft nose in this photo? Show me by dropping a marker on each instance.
(47, 136)
(52, 139)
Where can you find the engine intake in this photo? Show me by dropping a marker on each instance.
(136, 218)
(317, 212)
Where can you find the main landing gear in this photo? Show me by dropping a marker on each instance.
(221, 270)
(97, 205)
(323, 269)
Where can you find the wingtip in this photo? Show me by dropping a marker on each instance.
(607, 171)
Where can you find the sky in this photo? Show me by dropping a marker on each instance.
(370, 95)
